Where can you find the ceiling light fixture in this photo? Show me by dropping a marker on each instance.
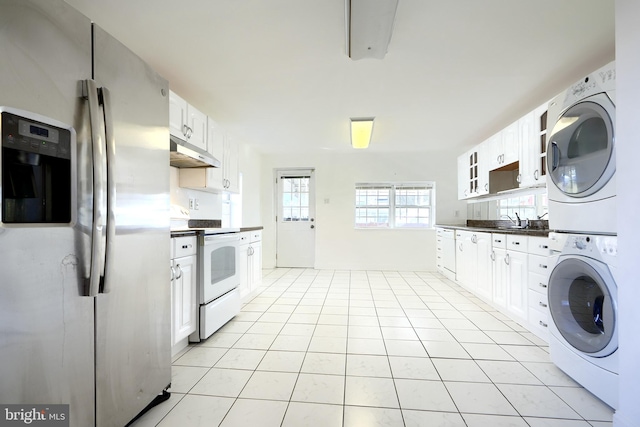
(369, 26)
(361, 131)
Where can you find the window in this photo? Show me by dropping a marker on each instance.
(527, 207)
(295, 198)
(407, 205)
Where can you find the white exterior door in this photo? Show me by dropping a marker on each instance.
(295, 218)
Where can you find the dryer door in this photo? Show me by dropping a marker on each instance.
(580, 153)
(582, 301)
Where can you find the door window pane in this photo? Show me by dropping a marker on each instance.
(295, 198)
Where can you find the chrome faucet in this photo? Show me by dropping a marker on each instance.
(519, 223)
(543, 215)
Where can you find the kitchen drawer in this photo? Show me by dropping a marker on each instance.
(540, 265)
(184, 246)
(516, 242)
(539, 246)
(256, 236)
(499, 241)
(539, 323)
(245, 237)
(538, 282)
(538, 301)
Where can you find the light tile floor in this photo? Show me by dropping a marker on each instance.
(328, 348)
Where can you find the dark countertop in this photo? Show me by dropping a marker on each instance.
(538, 229)
(259, 227)
(183, 233)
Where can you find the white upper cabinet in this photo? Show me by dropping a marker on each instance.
(177, 115)
(521, 147)
(463, 177)
(231, 166)
(483, 169)
(495, 151)
(510, 144)
(527, 158)
(187, 122)
(197, 122)
(533, 138)
(504, 147)
(215, 180)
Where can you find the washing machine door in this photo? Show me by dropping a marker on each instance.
(581, 152)
(582, 301)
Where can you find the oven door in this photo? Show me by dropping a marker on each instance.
(219, 265)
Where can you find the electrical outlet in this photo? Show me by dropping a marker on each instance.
(196, 204)
(192, 203)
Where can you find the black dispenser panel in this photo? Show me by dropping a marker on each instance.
(36, 171)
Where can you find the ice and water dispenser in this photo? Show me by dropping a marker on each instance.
(36, 170)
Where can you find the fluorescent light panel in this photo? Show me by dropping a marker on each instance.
(361, 131)
(369, 26)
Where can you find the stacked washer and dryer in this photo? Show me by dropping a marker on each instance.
(582, 289)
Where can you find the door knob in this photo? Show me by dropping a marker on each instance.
(313, 226)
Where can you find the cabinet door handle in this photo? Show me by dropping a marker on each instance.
(493, 255)
(460, 246)
(173, 274)
(519, 178)
(486, 186)
(536, 174)
(542, 304)
(543, 324)
(542, 285)
(515, 243)
(506, 259)
(543, 246)
(543, 266)
(498, 241)
(180, 270)
(185, 130)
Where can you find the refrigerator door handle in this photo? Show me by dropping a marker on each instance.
(98, 235)
(111, 184)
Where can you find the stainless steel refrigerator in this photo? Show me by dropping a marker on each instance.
(84, 231)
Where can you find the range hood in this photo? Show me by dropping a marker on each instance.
(185, 155)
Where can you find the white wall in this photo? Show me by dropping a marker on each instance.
(628, 153)
(338, 244)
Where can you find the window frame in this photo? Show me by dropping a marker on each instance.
(393, 222)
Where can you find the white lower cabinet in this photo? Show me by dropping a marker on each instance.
(250, 261)
(473, 266)
(517, 284)
(539, 270)
(511, 271)
(184, 279)
(466, 254)
(484, 284)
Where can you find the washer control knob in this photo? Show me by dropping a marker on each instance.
(580, 244)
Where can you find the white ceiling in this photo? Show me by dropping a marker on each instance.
(275, 73)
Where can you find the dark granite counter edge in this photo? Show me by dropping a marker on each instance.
(524, 232)
(184, 233)
(259, 227)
